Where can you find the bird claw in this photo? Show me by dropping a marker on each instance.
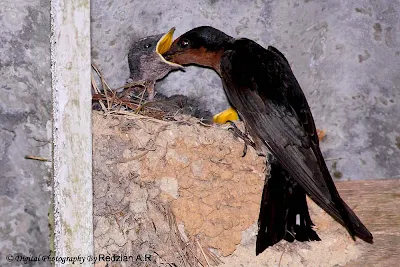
(244, 136)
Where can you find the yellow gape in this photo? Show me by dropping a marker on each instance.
(229, 114)
(164, 44)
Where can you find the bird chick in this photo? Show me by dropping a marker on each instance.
(146, 63)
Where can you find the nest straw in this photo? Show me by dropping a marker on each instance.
(127, 102)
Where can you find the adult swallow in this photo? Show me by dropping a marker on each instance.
(262, 88)
(146, 63)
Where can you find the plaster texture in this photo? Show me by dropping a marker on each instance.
(72, 135)
(345, 55)
(25, 129)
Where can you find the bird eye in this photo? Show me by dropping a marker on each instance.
(147, 45)
(183, 43)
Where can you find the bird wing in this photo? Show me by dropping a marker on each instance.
(261, 86)
(297, 99)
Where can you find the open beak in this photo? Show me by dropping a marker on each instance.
(164, 44)
(225, 116)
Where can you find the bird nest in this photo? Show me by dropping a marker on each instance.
(142, 228)
(176, 188)
(131, 101)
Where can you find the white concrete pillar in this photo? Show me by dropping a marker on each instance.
(72, 135)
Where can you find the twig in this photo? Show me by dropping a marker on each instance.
(280, 259)
(137, 116)
(213, 257)
(103, 83)
(204, 124)
(36, 158)
(97, 90)
(118, 101)
(140, 102)
(194, 255)
(175, 235)
(204, 255)
(105, 87)
(128, 85)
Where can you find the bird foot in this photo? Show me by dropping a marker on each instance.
(244, 136)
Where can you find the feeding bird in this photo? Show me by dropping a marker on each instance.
(262, 88)
(146, 63)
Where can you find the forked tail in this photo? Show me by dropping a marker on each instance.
(283, 212)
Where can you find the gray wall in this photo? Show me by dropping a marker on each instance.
(25, 129)
(345, 55)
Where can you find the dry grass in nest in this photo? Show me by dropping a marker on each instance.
(127, 103)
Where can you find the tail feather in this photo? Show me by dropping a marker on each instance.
(353, 224)
(344, 215)
(338, 209)
(283, 212)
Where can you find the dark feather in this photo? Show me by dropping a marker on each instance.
(261, 86)
(283, 211)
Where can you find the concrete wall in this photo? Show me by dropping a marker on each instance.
(345, 55)
(72, 135)
(25, 129)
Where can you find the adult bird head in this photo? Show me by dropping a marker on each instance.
(200, 46)
(203, 46)
(145, 57)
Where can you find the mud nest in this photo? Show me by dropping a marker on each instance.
(176, 189)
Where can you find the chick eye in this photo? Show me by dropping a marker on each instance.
(147, 45)
(183, 43)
